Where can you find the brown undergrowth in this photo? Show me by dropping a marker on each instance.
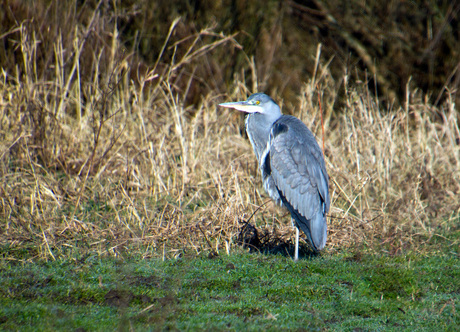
(97, 159)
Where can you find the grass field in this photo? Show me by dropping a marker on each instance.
(238, 292)
(123, 203)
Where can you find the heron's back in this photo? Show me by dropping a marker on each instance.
(294, 165)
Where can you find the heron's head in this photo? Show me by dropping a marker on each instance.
(256, 103)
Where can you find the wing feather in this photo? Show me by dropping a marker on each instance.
(298, 170)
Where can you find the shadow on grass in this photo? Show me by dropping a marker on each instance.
(270, 243)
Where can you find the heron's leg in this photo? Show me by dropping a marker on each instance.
(296, 250)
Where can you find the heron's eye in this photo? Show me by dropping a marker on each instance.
(257, 102)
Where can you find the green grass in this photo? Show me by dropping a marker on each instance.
(238, 292)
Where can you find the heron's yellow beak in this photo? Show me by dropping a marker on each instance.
(243, 106)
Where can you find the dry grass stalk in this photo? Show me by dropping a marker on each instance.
(104, 162)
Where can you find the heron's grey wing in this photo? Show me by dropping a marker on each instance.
(297, 166)
(299, 173)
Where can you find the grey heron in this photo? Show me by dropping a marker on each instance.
(291, 164)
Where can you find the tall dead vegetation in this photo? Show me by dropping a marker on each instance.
(100, 153)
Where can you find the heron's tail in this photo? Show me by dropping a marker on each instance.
(317, 231)
(315, 228)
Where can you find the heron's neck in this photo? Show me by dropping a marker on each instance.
(258, 128)
(272, 114)
(262, 123)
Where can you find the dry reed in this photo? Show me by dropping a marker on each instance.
(95, 159)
